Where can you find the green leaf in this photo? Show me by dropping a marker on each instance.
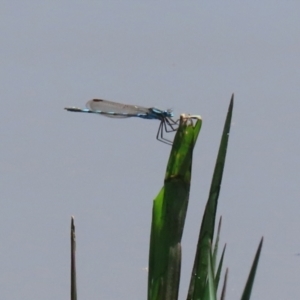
(73, 261)
(215, 253)
(199, 272)
(212, 292)
(248, 288)
(218, 274)
(224, 286)
(168, 215)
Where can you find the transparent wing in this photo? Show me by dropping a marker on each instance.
(115, 110)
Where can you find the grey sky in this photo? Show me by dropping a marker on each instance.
(188, 56)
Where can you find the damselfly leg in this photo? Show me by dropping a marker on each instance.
(166, 125)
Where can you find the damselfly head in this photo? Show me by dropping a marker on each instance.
(170, 112)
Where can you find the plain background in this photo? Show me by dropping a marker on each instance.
(186, 55)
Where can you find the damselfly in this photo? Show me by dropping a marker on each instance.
(118, 110)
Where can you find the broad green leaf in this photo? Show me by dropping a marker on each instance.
(168, 215)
